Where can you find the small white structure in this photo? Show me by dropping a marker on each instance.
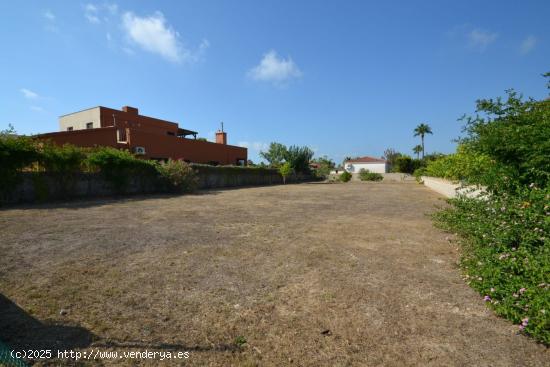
(371, 164)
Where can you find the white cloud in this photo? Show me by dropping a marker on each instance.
(92, 18)
(50, 22)
(274, 69)
(481, 39)
(91, 12)
(27, 93)
(91, 8)
(153, 34)
(49, 15)
(112, 8)
(94, 12)
(528, 44)
(37, 108)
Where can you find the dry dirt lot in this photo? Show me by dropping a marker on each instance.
(309, 275)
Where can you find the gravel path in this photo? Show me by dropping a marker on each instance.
(308, 275)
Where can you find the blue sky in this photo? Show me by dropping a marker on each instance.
(346, 78)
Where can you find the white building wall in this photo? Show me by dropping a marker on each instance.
(78, 120)
(372, 167)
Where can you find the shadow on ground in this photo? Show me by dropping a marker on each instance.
(21, 331)
(82, 203)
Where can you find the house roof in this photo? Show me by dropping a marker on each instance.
(366, 160)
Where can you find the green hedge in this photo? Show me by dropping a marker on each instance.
(118, 167)
(406, 164)
(16, 153)
(366, 175)
(63, 163)
(464, 165)
(505, 234)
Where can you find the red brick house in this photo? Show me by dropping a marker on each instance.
(144, 136)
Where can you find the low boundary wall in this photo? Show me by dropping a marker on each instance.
(450, 189)
(45, 187)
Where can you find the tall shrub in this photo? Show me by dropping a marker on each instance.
(178, 176)
(66, 159)
(345, 176)
(405, 164)
(464, 165)
(16, 153)
(515, 134)
(119, 166)
(299, 158)
(505, 233)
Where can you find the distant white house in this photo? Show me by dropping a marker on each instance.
(371, 164)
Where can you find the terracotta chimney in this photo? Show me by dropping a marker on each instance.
(132, 110)
(221, 136)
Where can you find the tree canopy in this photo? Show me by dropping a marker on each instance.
(275, 155)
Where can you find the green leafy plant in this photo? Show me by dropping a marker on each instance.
(275, 155)
(16, 153)
(66, 159)
(119, 166)
(506, 253)
(62, 163)
(405, 164)
(299, 158)
(514, 133)
(505, 234)
(285, 170)
(324, 166)
(240, 341)
(178, 175)
(366, 175)
(419, 172)
(464, 165)
(345, 176)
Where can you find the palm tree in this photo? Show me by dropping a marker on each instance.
(417, 150)
(422, 130)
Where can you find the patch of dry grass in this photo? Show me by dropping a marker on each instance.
(276, 267)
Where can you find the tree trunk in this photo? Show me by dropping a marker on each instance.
(422, 136)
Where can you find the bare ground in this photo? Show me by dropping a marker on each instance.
(309, 275)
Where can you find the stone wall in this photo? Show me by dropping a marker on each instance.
(44, 187)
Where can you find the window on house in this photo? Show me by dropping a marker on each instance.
(121, 135)
(89, 125)
(70, 128)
